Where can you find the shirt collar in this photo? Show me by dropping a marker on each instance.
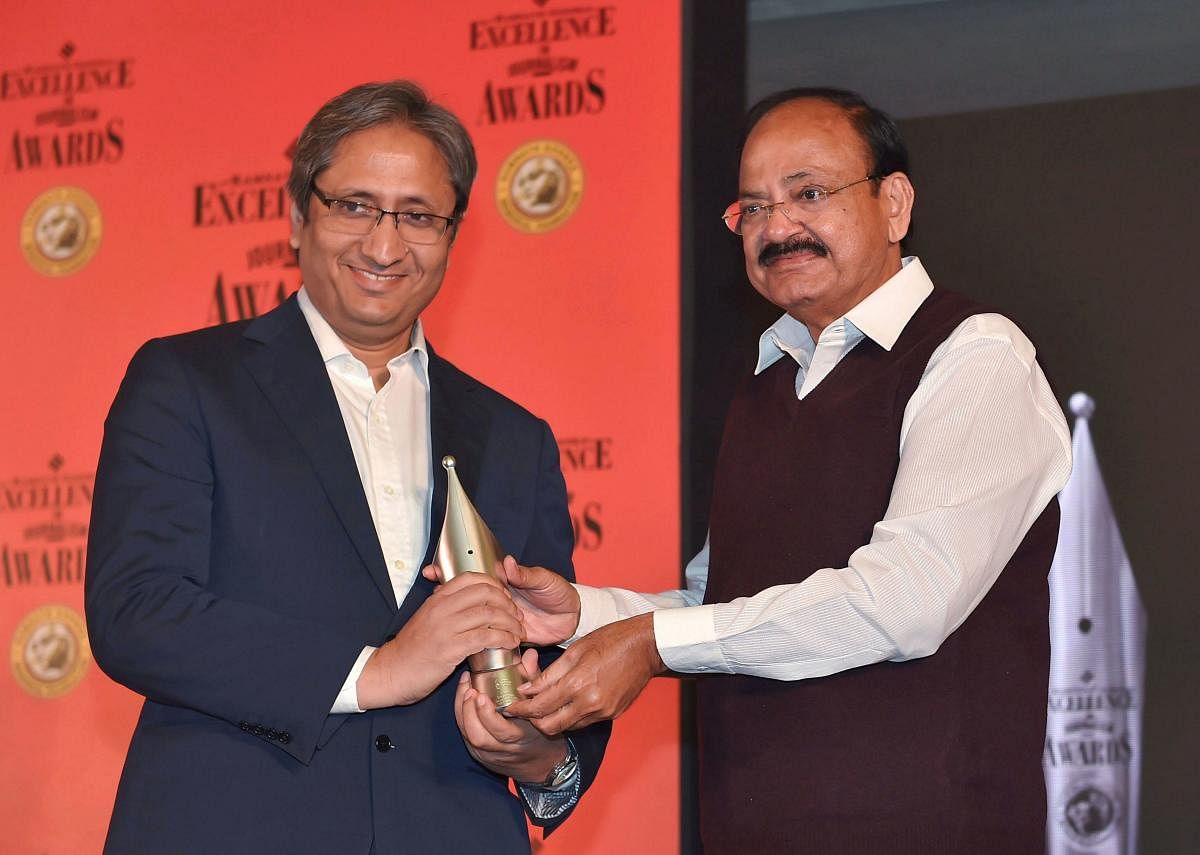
(881, 316)
(330, 344)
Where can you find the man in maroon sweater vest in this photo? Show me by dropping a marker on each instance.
(873, 591)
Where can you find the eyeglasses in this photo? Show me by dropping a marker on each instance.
(351, 217)
(811, 199)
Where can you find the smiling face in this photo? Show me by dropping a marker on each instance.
(818, 265)
(371, 288)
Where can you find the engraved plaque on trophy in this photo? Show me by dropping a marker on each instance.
(467, 545)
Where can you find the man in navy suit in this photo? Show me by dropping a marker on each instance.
(266, 494)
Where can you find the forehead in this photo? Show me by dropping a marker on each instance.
(383, 155)
(805, 135)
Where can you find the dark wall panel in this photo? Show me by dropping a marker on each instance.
(1079, 219)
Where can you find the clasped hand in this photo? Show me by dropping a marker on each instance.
(595, 679)
(467, 614)
(598, 676)
(508, 746)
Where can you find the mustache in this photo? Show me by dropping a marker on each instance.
(803, 243)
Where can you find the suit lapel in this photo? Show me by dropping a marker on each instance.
(458, 425)
(283, 358)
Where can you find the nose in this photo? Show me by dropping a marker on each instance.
(782, 222)
(383, 244)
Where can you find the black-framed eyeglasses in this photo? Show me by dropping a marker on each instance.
(743, 218)
(352, 217)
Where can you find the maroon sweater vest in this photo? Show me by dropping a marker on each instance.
(934, 755)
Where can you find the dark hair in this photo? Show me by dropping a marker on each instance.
(371, 104)
(877, 129)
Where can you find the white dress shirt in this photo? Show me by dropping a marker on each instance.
(983, 448)
(389, 435)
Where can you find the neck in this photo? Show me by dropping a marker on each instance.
(377, 356)
(817, 323)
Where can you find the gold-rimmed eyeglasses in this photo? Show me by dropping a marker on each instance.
(352, 217)
(744, 217)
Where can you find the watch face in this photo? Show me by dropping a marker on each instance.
(562, 773)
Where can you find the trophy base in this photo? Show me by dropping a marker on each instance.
(500, 684)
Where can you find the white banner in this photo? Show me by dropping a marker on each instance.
(1093, 749)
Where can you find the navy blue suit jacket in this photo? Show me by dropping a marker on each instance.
(234, 575)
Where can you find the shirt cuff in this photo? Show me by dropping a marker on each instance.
(347, 699)
(546, 803)
(597, 608)
(687, 640)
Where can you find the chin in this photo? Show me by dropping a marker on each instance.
(790, 295)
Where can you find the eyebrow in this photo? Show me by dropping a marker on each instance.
(372, 199)
(787, 179)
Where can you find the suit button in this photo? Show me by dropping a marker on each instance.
(258, 730)
(244, 725)
(383, 743)
(284, 737)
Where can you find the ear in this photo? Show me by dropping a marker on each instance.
(297, 224)
(897, 194)
(455, 227)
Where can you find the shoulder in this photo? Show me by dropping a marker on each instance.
(963, 324)
(187, 351)
(212, 347)
(200, 342)
(989, 331)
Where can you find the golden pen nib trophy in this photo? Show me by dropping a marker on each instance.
(467, 545)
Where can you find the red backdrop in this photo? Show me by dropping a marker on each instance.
(144, 150)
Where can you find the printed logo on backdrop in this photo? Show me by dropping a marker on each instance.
(1088, 812)
(584, 460)
(74, 131)
(263, 274)
(49, 651)
(539, 186)
(43, 528)
(539, 74)
(61, 231)
(1087, 738)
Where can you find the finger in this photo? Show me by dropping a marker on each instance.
(558, 722)
(472, 641)
(455, 631)
(432, 572)
(473, 580)
(474, 595)
(504, 731)
(460, 696)
(558, 669)
(541, 706)
(530, 666)
(486, 614)
(466, 713)
(464, 609)
(588, 720)
(514, 573)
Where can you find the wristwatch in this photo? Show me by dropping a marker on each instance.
(564, 771)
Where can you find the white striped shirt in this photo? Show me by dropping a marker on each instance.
(983, 449)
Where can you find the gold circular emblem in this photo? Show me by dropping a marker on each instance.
(539, 186)
(61, 231)
(49, 652)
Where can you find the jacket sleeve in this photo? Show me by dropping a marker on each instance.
(154, 621)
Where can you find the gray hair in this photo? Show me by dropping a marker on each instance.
(371, 104)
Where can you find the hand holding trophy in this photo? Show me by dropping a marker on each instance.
(467, 545)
